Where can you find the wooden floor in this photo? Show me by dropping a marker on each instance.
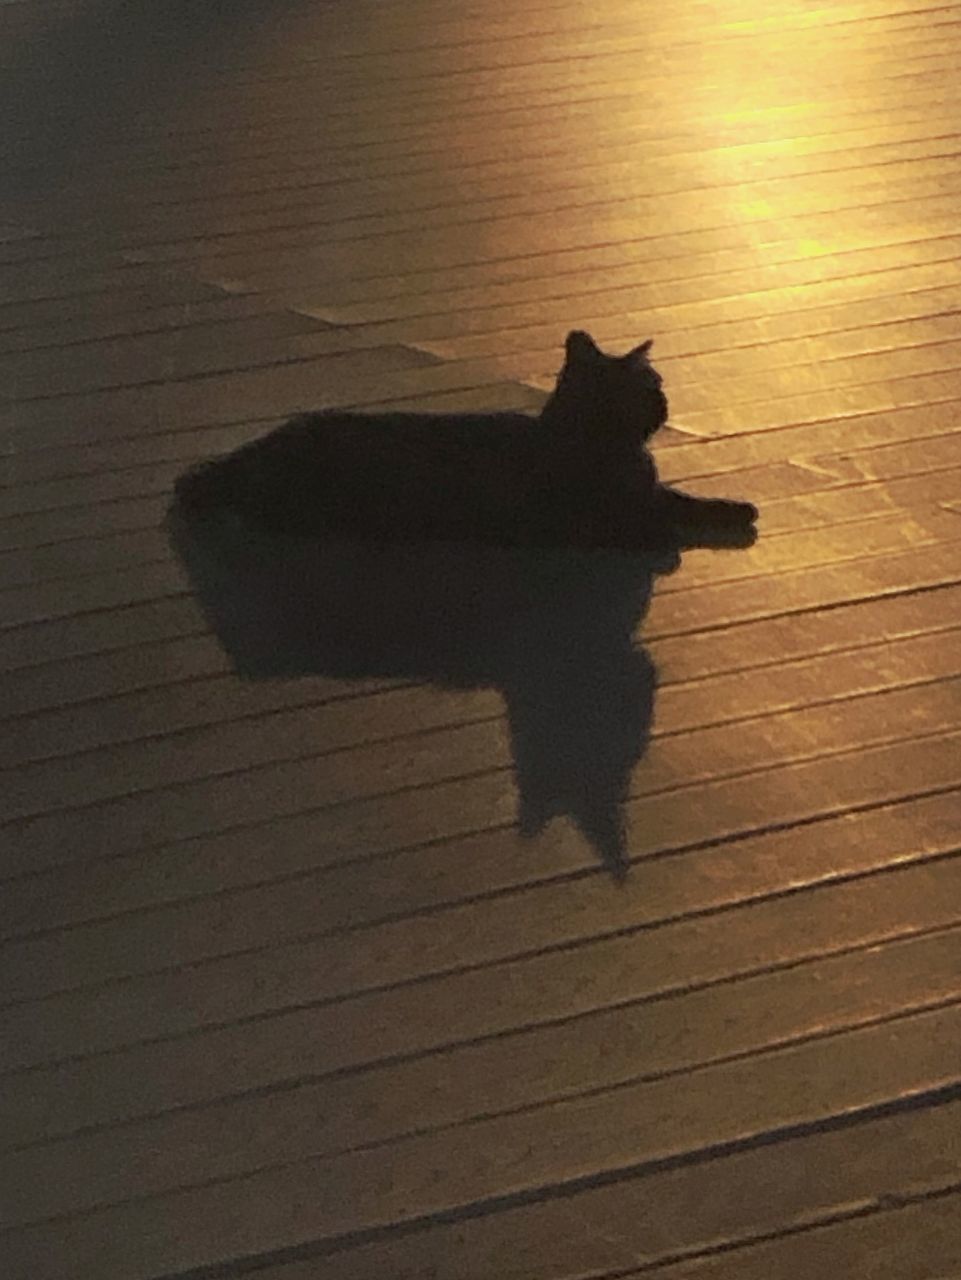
(285, 988)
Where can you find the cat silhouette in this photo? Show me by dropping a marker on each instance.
(505, 551)
(578, 474)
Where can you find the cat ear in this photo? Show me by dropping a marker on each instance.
(580, 347)
(640, 353)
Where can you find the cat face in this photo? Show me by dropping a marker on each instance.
(623, 393)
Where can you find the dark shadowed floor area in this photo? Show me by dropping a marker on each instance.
(312, 961)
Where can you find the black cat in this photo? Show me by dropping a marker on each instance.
(579, 474)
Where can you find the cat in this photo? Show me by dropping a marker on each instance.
(579, 474)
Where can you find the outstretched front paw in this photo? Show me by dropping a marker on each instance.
(716, 522)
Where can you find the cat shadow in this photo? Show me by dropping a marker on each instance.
(555, 632)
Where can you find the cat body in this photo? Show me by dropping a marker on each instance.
(577, 474)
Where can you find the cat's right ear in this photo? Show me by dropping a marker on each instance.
(580, 347)
(641, 352)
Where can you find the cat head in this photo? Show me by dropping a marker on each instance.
(618, 397)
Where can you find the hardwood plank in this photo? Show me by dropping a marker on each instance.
(844, 358)
(463, 849)
(289, 198)
(53, 686)
(184, 354)
(298, 995)
(166, 240)
(211, 789)
(908, 1243)
(36, 966)
(410, 949)
(40, 292)
(652, 246)
(443, 244)
(673, 304)
(578, 274)
(179, 615)
(588, 1054)
(81, 1023)
(237, 859)
(906, 79)
(91, 633)
(237, 731)
(433, 1174)
(271, 391)
(39, 334)
(701, 1207)
(169, 709)
(98, 463)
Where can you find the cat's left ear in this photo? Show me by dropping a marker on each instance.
(641, 352)
(580, 348)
